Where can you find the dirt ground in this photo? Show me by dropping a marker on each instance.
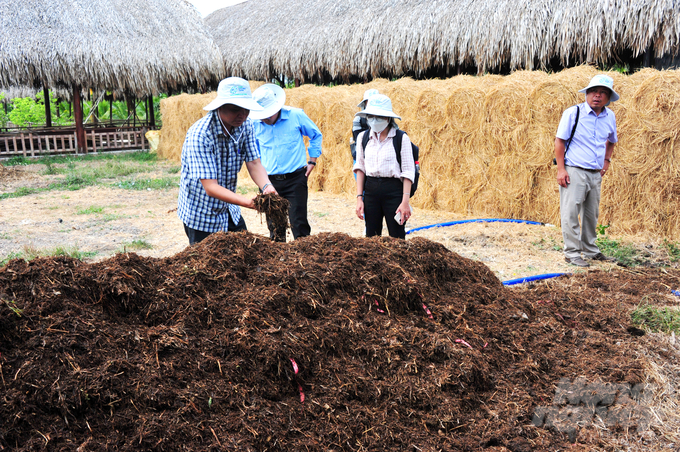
(329, 343)
(61, 218)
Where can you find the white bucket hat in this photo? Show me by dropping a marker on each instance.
(367, 94)
(271, 98)
(236, 91)
(379, 105)
(605, 81)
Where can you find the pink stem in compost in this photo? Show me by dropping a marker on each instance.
(461, 341)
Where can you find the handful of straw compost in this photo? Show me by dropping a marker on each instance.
(275, 208)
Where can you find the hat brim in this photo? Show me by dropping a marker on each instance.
(377, 112)
(612, 98)
(362, 104)
(279, 97)
(248, 104)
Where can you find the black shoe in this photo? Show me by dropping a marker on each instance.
(602, 257)
(577, 261)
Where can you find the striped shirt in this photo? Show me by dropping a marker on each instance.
(208, 153)
(380, 159)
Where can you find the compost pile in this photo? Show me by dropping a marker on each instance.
(328, 343)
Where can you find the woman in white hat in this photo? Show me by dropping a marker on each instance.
(383, 185)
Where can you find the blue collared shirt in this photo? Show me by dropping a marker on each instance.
(209, 153)
(588, 147)
(282, 144)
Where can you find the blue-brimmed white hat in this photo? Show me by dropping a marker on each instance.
(236, 91)
(605, 81)
(271, 98)
(379, 105)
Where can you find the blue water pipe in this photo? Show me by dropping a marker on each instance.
(512, 282)
(479, 220)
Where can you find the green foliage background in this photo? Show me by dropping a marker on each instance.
(28, 112)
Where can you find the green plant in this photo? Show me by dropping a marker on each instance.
(148, 184)
(656, 319)
(12, 305)
(90, 210)
(624, 253)
(672, 249)
(29, 253)
(602, 229)
(136, 245)
(3, 116)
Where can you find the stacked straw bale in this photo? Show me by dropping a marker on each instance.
(487, 143)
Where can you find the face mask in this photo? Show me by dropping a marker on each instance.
(377, 124)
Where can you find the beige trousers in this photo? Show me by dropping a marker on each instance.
(581, 199)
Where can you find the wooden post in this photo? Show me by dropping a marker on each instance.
(48, 110)
(297, 82)
(81, 144)
(151, 118)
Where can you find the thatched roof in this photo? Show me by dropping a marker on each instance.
(137, 46)
(300, 38)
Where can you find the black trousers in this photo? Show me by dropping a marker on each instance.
(293, 187)
(196, 236)
(382, 196)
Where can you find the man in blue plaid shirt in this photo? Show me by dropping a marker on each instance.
(214, 150)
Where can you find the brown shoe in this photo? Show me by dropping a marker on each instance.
(577, 261)
(602, 257)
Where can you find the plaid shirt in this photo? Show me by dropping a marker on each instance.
(208, 153)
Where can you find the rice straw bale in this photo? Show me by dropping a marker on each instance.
(487, 143)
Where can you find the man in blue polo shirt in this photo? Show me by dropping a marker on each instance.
(582, 161)
(214, 150)
(280, 132)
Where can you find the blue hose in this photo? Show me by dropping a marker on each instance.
(479, 220)
(512, 282)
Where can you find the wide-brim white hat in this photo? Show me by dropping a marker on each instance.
(236, 91)
(379, 105)
(367, 94)
(605, 81)
(271, 98)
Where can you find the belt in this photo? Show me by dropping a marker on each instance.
(590, 170)
(288, 175)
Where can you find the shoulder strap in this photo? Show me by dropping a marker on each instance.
(364, 140)
(573, 130)
(396, 141)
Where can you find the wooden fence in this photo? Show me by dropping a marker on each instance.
(56, 142)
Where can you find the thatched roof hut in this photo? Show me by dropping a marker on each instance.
(139, 47)
(349, 40)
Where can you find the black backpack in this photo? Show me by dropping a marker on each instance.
(396, 141)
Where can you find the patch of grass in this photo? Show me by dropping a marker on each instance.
(79, 174)
(9, 257)
(656, 319)
(625, 253)
(5, 236)
(672, 249)
(113, 217)
(136, 245)
(544, 244)
(29, 253)
(321, 214)
(90, 210)
(244, 190)
(148, 184)
(174, 169)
